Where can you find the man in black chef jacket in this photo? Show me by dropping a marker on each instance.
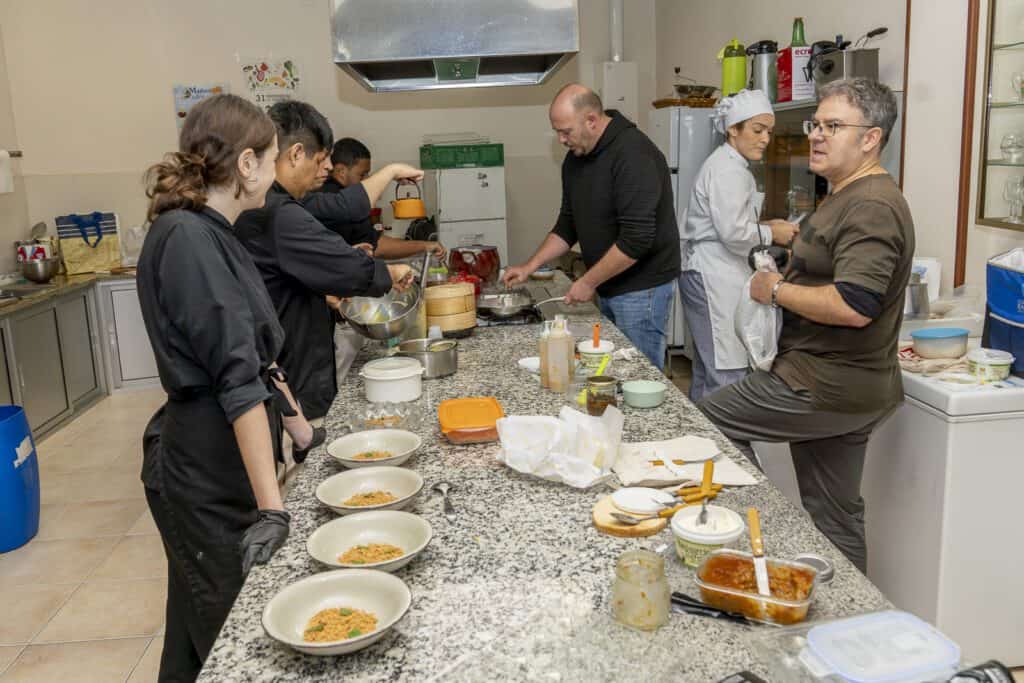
(350, 161)
(302, 262)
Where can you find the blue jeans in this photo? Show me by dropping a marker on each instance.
(643, 318)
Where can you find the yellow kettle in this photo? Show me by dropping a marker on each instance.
(409, 207)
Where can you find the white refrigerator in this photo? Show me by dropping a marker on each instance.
(470, 206)
(686, 136)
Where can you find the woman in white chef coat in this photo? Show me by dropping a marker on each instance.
(722, 226)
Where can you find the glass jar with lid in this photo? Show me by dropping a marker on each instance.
(640, 594)
(601, 394)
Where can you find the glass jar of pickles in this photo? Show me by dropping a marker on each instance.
(640, 593)
(601, 394)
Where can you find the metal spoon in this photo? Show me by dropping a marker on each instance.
(630, 520)
(702, 518)
(443, 487)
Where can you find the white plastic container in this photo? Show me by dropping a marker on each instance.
(694, 542)
(940, 342)
(989, 365)
(395, 380)
(591, 357)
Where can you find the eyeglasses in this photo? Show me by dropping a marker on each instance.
(829, 128)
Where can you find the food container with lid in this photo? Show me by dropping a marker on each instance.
(695, 541)
(989, 365)
(470, 420)
(745, 600)
(601, 394)
(641, 597)
(878, 647)
(591, 356)
(940, 342)
(396, 379)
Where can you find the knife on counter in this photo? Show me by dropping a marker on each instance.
(757, 546)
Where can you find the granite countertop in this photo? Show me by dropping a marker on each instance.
(62, 285)
(516, 587)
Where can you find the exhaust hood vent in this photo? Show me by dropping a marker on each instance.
(401, 45)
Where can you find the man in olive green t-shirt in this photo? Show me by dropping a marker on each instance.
(836, 374)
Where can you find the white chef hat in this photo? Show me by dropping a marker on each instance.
(746, 104)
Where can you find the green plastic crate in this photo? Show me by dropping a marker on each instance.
(462, 156)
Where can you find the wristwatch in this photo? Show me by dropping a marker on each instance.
(775, 291)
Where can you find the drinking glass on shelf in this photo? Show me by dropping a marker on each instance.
(1013, 193)
(1018, 85)
(1012, 148)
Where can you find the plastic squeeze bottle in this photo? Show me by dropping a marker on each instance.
(558, 358)
(545, 334)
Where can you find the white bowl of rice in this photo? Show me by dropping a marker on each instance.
(370, 488)
(337, 612)
(374, 447)
(386, 540)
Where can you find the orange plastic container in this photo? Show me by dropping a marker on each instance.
(470, 420)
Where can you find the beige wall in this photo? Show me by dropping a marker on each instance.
(691, 32)
(14, 222)
(93, 114)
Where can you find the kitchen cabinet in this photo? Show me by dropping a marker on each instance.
(78, 347)
(129, 357)
(39, 371)
(52, 362)
(1001, 166)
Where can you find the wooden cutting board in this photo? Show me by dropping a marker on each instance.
(606, 524)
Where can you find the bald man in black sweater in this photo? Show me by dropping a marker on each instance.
(617, 203)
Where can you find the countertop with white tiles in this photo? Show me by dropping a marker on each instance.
(517, 586)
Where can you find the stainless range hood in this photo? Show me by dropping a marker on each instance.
(396, 45)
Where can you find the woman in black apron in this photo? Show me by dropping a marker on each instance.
(209, 458)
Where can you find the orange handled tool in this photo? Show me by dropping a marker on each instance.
(597, 335)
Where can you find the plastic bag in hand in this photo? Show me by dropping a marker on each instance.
(759, 325)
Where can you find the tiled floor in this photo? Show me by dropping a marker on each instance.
(84, 600)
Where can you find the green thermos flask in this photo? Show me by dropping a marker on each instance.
(734, 68)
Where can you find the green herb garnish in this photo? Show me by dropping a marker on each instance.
(345, 612)
(354, 632)
(315, 629)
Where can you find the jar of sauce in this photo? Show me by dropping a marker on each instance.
(640, 593)
(601, 394)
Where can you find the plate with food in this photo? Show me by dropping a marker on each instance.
(384, 539)
(336, 612)
(370, 488)
(374, 447)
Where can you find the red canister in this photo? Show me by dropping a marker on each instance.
(476, 259)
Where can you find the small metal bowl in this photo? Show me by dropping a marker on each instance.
(41, 270)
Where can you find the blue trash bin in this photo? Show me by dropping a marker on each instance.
(19, 480)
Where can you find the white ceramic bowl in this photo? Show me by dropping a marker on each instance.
(286, 615)
(400, 443)
(403, 484)
(409, 532)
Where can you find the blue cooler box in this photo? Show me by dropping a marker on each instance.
(1004, 324)
(19, 480)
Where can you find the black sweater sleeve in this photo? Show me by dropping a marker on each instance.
(565, 226)
(637, 188)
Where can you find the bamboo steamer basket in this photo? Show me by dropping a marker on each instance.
(448, 300)
(453, 323)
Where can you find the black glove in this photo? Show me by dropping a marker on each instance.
(319, 436)
(264, 538)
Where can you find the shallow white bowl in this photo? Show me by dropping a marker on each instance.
(402, 483)
(409, 532)
(286, 615)
(398, 441)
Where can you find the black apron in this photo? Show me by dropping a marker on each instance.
(201, 500)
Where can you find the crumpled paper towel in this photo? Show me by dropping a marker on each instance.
(633, 465)
(574, 449)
